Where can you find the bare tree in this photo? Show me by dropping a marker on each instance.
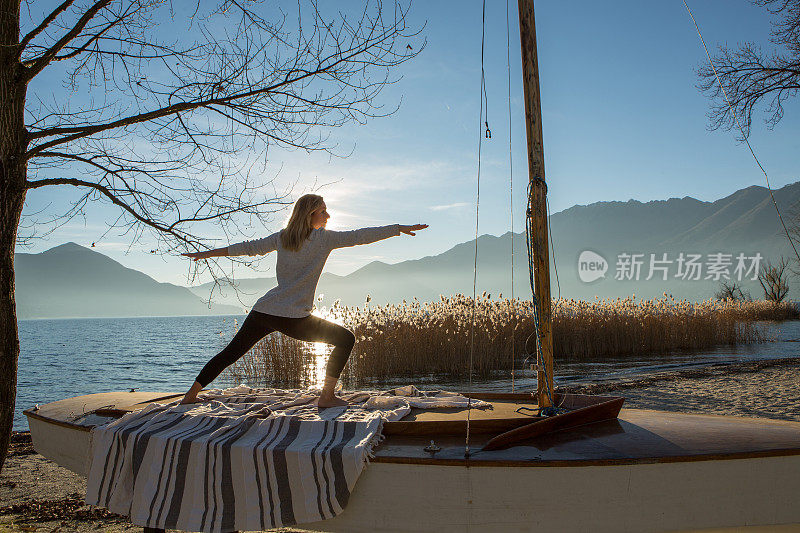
(730, 290)
(164, 109)
(752, 77)
(774, 280)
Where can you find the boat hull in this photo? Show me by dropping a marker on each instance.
(611, 498)
(646, 471)
(62, 444)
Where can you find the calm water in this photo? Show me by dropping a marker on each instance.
(69, 357)
(64, 358)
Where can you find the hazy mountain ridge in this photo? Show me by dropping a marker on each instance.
(49, 283)
(744, 221)
(73, 281)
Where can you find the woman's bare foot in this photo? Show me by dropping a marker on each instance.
(190, 400)
(331, 401)
(191, 396)
(327, 398)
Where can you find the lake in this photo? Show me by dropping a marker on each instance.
(71, 357)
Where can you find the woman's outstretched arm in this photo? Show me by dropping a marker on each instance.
(205, 254)
(342, 239)
(409, 230)
(255, 247)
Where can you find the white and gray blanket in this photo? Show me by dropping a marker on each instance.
(243, 459)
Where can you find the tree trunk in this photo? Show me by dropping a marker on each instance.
(13, 170)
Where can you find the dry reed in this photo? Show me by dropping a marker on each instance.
(416, 340)
(276, 360)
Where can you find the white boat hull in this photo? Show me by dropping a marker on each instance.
(615, 498)
(63, 445)
(649, 471)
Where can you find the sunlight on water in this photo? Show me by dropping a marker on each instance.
(321, 350)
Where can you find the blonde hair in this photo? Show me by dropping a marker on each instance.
(299, 226)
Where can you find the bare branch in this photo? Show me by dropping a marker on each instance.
(78, 132)
(35, 184)
(46, 22)
(752, 78)
(774, 280)
(40, 63)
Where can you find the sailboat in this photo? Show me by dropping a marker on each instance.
(581, 463)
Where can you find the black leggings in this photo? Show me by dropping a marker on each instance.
(258, 325)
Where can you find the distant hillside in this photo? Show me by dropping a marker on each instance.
(743, 222)
(73, 281)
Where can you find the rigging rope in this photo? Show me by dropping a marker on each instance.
(741, 129)
(483, 117)
(477, 219)
(552, 247)
(511, 192)
(529, 236)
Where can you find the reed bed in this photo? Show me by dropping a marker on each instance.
(276, 360)
(435, 339)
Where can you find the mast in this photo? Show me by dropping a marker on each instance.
(537, 208)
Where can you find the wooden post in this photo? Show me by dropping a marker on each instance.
(537, 207)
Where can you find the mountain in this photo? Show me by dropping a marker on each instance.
(73, 281)
(744, 222)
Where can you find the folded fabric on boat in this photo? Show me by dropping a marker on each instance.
(244, 459)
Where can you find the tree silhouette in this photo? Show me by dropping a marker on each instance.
(731, 290)
(752, 77)
(164, 109)
(774, 280)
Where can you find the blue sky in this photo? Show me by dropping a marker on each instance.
(622, 119)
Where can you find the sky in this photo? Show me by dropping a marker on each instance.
(622, 119)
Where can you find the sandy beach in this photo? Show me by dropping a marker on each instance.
(38, 495)
(761, 389)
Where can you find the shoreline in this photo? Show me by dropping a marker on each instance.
(758, 389)
(709, 370)
(38, 495)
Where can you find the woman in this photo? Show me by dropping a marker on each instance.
(303, 247)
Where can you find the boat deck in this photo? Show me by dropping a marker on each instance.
(637, 436)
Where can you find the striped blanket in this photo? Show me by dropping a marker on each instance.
(243, 459)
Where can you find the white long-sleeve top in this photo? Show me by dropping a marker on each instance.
(298, 272)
